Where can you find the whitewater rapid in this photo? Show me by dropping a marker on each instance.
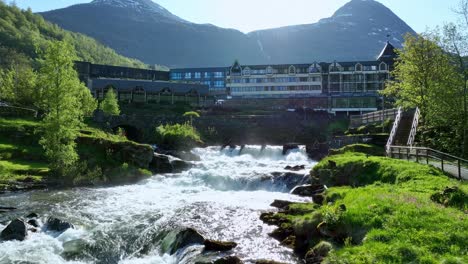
(222, 197)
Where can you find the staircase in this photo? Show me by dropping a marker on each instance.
(404, 129)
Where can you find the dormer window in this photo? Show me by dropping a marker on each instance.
(335, 67)
(246, 71)
(383, 66)
(269, 70)
(358, 67)
(292, 70)
(314, 68)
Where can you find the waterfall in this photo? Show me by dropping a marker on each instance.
(222, 197)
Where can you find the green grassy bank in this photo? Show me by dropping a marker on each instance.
(378, 210)
(104, 157)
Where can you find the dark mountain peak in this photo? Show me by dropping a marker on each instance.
(141, 6)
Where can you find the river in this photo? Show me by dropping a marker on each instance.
(222, 197)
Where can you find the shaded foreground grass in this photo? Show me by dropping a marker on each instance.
(380, 210)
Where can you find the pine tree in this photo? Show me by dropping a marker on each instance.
(110, 104)
(66, 102)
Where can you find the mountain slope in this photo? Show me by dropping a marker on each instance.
(154, 35)
(357, 31)
(26, 33)
(145, 30)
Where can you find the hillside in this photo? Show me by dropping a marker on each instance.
(26, 33)
(145, 30)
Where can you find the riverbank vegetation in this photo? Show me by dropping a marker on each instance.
(378, 210)
(178, 136)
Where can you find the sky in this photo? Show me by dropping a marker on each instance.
(250, 15)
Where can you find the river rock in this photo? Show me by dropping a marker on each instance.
(229, 260)
(57, 225)
(308, 190)
(318, 253)
(185, 237)
(295, 168)
(16, 230)
(33, 222)
(213, 245)
(281, 204)
(162, 163)
(288, 147)
(32, 215)
(264, 261)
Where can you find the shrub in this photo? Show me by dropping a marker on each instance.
(178, 136)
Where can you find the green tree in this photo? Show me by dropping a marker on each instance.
(110, 104)
(66, 102)
(426, 77)
(191, 115)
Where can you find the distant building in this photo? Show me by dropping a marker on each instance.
(214, 78)
(141, 85)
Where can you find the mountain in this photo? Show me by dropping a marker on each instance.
(144, 30)
(357, 31)
(27, 34)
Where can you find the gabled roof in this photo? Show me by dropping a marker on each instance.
(388, 53)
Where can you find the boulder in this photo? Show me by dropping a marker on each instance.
(185, 237)
(57, 225)
(288, 147)
(295, 168)
(16, 230)
(212, 245)
(183, 155)
(229, 260)
(162, 163)
(308, 190)
(33, 222)
(32, 215)
(264, 261)
(318, 253)
(281, 204)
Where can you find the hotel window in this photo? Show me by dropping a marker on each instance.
(219, 84)
(207, 83)
(218, 75)
(247, 71)
(188, 75)
(197, 75)
(314, 69)
(176, 76)
(335, 67)
(207, 75)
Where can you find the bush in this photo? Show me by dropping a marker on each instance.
(371, 150)
(178, 136)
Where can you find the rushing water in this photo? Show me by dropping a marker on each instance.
(222, 197)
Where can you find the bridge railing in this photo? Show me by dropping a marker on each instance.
(453, 165)
(374, 117)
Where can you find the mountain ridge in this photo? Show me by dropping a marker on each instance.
(356, 31)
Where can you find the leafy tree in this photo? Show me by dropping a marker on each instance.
(426, 77)
(191, 115)
(66, 102)
(110, 104)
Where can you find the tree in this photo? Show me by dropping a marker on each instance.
(110, 104)
(426, 77)
(66, 102)
(191, 115)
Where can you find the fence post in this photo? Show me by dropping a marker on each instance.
(442, 162)
(399, 153)
(417, 155)
(408, 154)
(459, 170)
(427, 156)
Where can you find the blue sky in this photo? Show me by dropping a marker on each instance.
(249, 15)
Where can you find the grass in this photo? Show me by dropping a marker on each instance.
(103, 155)
(381, 210)
(177, 136)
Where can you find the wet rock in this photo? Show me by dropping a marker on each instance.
(272, 219)
(318, 198)
(289, 242)
(281, 204)
(288, 179)
(318, 253)
(180, 165)
(331, 164)
(16, 230)
(5, 208)
(212, 245)
(34, 222)
(308, 190)
(281, 234)
(32, 215)
(183, 155)
(185, 237)
(288, 147)
(295, 168)
(57, 225)
(162, 163)
(229, 260)
(263, 261)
